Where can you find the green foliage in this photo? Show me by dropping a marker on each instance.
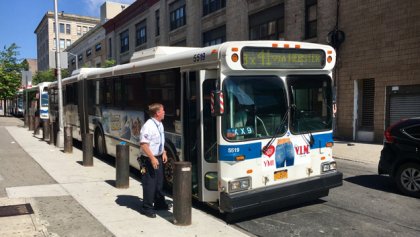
(10, 72)
(109, 63)
(48, 75)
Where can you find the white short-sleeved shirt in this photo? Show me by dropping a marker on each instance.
(152, 133)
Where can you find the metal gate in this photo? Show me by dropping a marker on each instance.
(403, 106)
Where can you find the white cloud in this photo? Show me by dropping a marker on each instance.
(93, 6)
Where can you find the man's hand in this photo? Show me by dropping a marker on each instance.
(155, 162)
(164, 157)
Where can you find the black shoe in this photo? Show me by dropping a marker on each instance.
(148, 214)
(163, 207)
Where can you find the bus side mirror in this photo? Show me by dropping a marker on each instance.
(217, 105)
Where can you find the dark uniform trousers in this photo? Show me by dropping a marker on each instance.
(152, 182)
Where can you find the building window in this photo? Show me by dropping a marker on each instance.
(124, 42)
(141, 36)
(79, 30)
(88, 52)
(85, 29)
(98, 47)
(157, 16)
(210, 6)
(62, 28)
(80, 57)
(68, 43)
(62, 43)
(366, 103)
(267, 24)
(177, 14)
(215, 36)
(109, 48)
(310, 18)
(68, 29)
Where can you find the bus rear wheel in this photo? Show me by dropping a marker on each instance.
(169, 168)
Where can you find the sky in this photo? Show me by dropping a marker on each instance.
(19, 19)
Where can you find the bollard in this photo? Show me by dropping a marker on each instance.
(52, 133)
(122, 165)
(37, 122)
(31, 122)
(68, 139)
(182, 193)
(45, 129)
(87, 149)
(26, 120)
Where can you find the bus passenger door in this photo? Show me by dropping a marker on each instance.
(207, 139)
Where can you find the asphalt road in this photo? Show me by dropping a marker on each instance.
(366, 205)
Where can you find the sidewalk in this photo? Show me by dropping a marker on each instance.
(92, 187)
(359, 152)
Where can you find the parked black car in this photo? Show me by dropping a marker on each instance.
(400, 156)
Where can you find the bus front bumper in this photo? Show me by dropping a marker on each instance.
(281, 195)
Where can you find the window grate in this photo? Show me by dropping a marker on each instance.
(368, 101)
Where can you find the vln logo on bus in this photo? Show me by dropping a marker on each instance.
(302, 150)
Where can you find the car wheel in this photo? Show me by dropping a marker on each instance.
(407, 179)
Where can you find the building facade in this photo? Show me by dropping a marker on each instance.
(71, 28)
(90, 50)
(376, 81)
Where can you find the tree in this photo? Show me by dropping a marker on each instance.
(48, 75)
(10, 73)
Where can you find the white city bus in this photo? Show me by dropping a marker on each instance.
(253, 117)
(35, 100)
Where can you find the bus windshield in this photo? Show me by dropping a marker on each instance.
(44, 99)
(311, 101)
(255, 107)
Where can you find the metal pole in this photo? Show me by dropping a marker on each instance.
(60, 135)
(77, 62)
(182, 193)
(68, 139)
(122, 166)
(87, 144)
(45, 129)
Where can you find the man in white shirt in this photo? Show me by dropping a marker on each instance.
(153, 156)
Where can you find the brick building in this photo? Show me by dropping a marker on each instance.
(375, 77)
(378, 66)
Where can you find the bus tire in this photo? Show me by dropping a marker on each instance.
(100, 143)
(168, 168)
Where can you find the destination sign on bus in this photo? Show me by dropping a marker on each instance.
(281, 58)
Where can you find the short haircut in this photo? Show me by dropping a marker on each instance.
(154, 108)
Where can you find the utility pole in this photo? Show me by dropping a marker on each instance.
(60, 134)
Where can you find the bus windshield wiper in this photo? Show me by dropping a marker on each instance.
(278, 129)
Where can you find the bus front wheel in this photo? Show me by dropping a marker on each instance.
(169, 168)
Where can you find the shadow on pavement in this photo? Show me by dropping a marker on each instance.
(129, 201)
(377, 182)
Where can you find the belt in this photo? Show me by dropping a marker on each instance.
(157, 156)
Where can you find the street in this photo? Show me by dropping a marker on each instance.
(366, 205)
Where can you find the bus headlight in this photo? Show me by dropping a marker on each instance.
(239, 184)
(328, 166)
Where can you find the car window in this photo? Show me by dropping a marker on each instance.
(413, 131)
